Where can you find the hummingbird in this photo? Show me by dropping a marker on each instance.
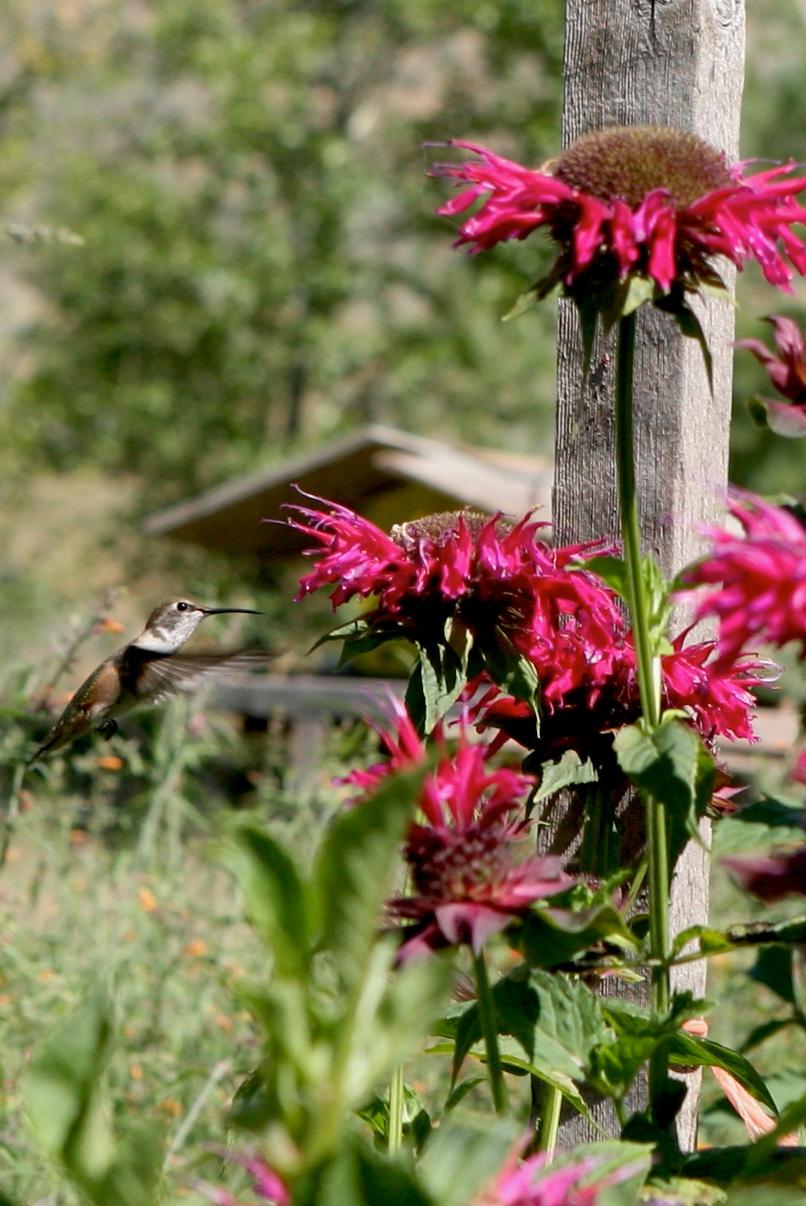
(146, 670)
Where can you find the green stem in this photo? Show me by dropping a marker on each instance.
(648, 667)
(484, 1000)
(396, 1110)
(549, 1126)
(636, 885)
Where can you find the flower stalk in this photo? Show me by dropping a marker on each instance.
(396, 1110)
(549, 1126)
(489, 1031)
(649, 683)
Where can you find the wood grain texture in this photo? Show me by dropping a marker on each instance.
(660, 62)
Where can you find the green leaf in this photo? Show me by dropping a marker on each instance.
(639, 1033)
(523, 303)
(548, 937)
(639, 289)
(416, 1120)
(659, 606)
(685, 1050)
(773, 968)
(615, 1158)
(669, 764)
(567, 771)
(588, 322)
(392, 1015)
(461, 1091)
(758, 826)
(759, 933)
(612, 570)
(277, 901)
(681, 1191)
(362, 1177)
(462, 1156)
(63, 1090)
(708, 941)
(514, 673)
(689, 325)
(789, 1120)
(760, 1034)
(63, 1094)
(352, 870)
(440, 680)
(352, 629)
(554, 1020)
(615, 1064)
(758, 411)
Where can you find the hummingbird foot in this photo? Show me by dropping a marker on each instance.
(107, 728)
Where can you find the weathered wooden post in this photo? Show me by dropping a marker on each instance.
(655, 62)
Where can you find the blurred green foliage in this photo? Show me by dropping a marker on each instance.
(260, 262)
(244, 258)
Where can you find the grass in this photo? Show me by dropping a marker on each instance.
(170, 946)
(111, 879)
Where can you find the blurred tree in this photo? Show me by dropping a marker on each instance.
(260, 263)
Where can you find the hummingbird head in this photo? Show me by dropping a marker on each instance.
(173, 622)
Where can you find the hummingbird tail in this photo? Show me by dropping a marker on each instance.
(53, 740)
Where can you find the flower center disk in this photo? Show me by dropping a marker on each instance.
(631, 161)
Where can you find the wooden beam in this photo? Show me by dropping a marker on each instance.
(657, 62)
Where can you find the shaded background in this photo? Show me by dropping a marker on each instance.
(260, 267)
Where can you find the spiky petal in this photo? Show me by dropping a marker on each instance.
(640, 201)
(756, 579)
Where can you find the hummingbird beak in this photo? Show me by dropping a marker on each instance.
(221, 611)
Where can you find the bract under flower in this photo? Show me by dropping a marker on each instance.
(758, 578)
(645, 202)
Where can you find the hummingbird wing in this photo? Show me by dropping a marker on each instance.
(164, 676)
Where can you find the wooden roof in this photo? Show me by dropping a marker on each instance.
(386, 475)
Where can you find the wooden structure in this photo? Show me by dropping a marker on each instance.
(678, 63)
(385, 474)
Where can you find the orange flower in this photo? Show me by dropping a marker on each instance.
(147, 900)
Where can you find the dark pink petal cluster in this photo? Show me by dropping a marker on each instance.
(756, 578)
(469, 873)
(770, 877)
(485, 570)
(645, 201)
(787, 372)
(714, 691)
(588, 690)
(535, 1182)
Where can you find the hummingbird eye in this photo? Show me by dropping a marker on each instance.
(182, 606)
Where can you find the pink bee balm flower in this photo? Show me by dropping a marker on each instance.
(758, 576)
(266, 1184)
(787, 372)
(534, 1182)
(468, 873)
(715, 692)
(484, 570)
(770, 877)
(590, 691)
(634, 201)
